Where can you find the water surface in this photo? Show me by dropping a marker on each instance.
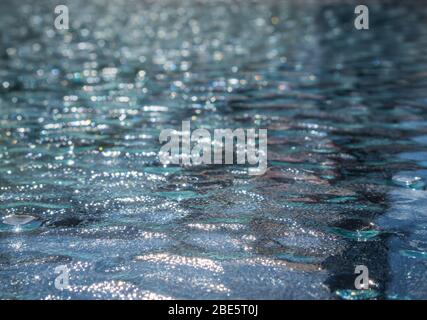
(81, 184)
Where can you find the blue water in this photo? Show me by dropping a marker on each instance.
(81, 184)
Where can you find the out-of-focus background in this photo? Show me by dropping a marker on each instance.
(80, 116)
